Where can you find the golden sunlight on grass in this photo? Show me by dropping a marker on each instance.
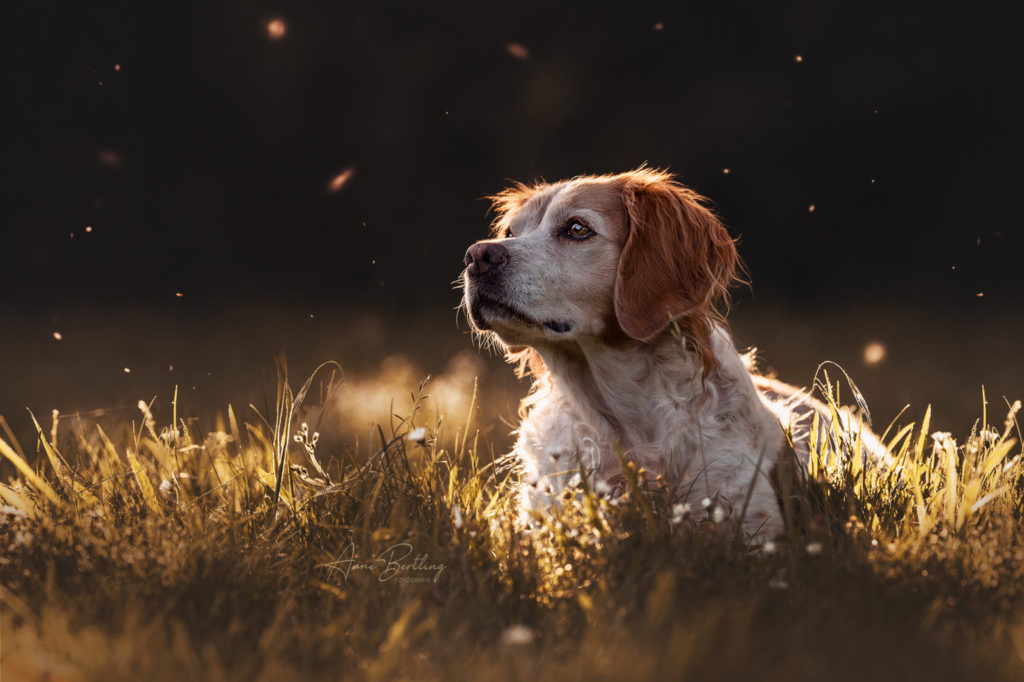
(364, 400)
(151, 549)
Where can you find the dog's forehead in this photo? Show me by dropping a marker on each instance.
(601, 195)
(560, 199)
(532, 212)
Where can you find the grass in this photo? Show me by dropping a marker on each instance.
(159, 551)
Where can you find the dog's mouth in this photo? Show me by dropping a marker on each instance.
(486, 309)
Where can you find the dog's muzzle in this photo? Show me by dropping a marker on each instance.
(484, 263)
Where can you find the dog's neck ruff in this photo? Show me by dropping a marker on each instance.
(634, 387)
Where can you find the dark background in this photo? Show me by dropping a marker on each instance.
(203, 163)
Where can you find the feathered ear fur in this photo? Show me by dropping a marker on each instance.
(505, 204)
(678, 261)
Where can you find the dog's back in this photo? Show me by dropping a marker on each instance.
(796, 409)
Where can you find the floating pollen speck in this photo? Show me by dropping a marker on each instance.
(117, 67)
(798, 58)
(980, 294)
(179, 295)
(725, 171)
(874, 353)
(810, 209)
(88, 228)
(58, 336)
(658, 26)
(275, 29)
(339, 180)
(127, 370)
(109, 158)
(517, 51)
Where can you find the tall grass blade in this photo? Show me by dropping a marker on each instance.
(25, 470)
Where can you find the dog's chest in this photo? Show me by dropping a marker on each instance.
(560, 439)
(717, 439)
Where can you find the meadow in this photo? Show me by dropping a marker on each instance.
(310, 536)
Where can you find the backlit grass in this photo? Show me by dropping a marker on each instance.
(161, 551)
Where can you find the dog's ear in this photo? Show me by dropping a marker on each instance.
(677, 260)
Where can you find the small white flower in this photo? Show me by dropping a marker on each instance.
(575, 481)
(166, 489)
(12, 511)
(814, 548)
(517, 635)
(770, 547)
(679, 512)
(418, 435)
(22, 537)
(602, 487)
(718, 515)
(457, 518)
(706, 502)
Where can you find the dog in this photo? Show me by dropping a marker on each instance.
(607, 290)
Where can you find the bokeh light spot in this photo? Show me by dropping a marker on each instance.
(275, 29)
(874, 353)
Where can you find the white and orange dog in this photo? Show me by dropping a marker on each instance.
(606, 288)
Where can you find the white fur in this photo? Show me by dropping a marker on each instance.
(599, 393)
(714, 441)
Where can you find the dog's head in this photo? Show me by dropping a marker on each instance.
(608, 257)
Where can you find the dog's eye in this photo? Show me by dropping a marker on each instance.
(577, 230)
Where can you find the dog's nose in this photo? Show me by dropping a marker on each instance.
(483, 256)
